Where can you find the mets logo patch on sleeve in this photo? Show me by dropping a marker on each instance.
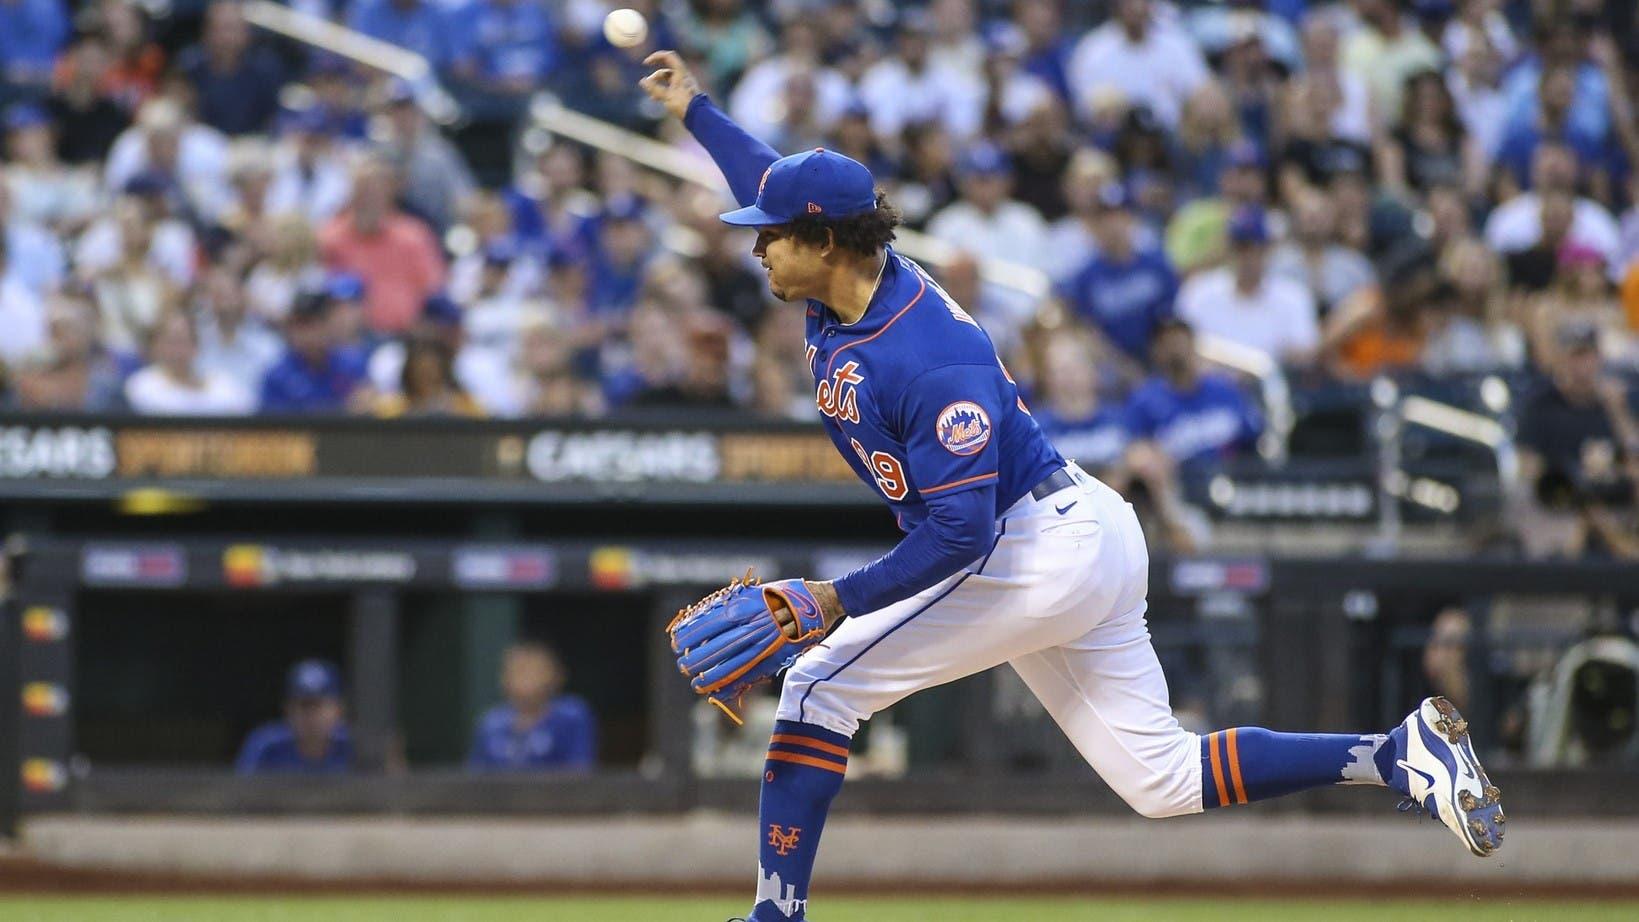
(964, 428)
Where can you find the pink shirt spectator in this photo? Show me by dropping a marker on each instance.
(400, 264)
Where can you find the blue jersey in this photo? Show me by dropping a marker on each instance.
(564, 737)
(1209, 421)
(916, 400)
(271, 749)
(1094, 441)
(1126, 300)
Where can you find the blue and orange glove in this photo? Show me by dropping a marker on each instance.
(729, 642)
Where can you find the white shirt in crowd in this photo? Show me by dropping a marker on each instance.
(758, 101)
(1278, 318)
(22, 320)
(896, 96)
(1014, 232)
(202, 166)
(317, 192)
(1160, 72)
(244, 357)
(171, 251)
(151, 391)
(1517, 225)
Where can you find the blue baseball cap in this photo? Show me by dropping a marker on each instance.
(1247, 225)
(344, 286)
(313, 678)
(984, 159)
(26, 115)
(1114, 195)
(817, 183)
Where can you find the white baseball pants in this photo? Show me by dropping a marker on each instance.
(1061, 599)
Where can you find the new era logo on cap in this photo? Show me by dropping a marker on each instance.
(815, 182)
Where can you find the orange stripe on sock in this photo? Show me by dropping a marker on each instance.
(1218, 771)
(809, 761)
(810, 743)
(1235, 767)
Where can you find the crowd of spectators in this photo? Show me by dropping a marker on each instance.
(201, 219)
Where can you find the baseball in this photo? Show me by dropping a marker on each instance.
(625, 27)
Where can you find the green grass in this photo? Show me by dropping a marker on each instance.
(716, 909)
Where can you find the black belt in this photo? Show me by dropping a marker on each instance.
(1052, 483)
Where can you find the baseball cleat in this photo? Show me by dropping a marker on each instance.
(1443, 776)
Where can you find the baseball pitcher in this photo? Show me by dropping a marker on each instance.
(1011, 554)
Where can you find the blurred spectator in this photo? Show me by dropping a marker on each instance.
(1384, 328)
(1150, 60)
(1069, 410)
(189, 159)
(313, 738)
(1192, 416)
(541, 381)
(1534, 217)
(1581, 292)
(908, 86)
(1196, 235)
(1123, 292)
(1428, 146)
(755, 101)
(701, 376)
(729, 34)
(987, 221)
(1476, 331)
(539, 727)
(436, 179)
(1200, 149)
(396, 255)
(237, 79)
(33, 254)
(1070, 239)
(74, 372)
(130, 290)
(504, 47)
(427, 385)
(289, 266)
(87, 116)
(1579, 446)
(1245, 304)
(172, 383)
(310, 172)
(1445, 656)
(624, 250)
(421, 26)
(232, 343)
(31, 32)
(1314, 258)
(315, 374)
(137, 60)
(22, 315)
(44, 191)
(1387, 48)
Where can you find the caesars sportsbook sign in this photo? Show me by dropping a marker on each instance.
(343, 450)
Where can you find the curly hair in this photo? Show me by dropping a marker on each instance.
(865, 234)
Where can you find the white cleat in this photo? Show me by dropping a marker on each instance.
(1445, 778)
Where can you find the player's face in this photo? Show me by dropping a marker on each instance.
(793, 266)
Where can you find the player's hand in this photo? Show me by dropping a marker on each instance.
(671, 85)
(830, 609)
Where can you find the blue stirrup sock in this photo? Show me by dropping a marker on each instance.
(802, 775)
(1244, 764)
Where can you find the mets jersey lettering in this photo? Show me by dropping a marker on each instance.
(916, 400)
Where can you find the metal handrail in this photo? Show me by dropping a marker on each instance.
(355, 46)
(556, 118)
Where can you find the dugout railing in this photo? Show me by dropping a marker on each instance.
(1313, 633)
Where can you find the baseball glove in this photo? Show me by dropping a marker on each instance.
(728, 642)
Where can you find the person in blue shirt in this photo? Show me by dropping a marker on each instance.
(506, 47)
(1086, 429)
(420, 26)
(237, 80)
(31, 34)
(539, 727)
(313, 737)
(316, 374)
(624, 246)
(1194, 416)
(1123, 291)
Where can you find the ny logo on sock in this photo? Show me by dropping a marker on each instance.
(783, 840)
